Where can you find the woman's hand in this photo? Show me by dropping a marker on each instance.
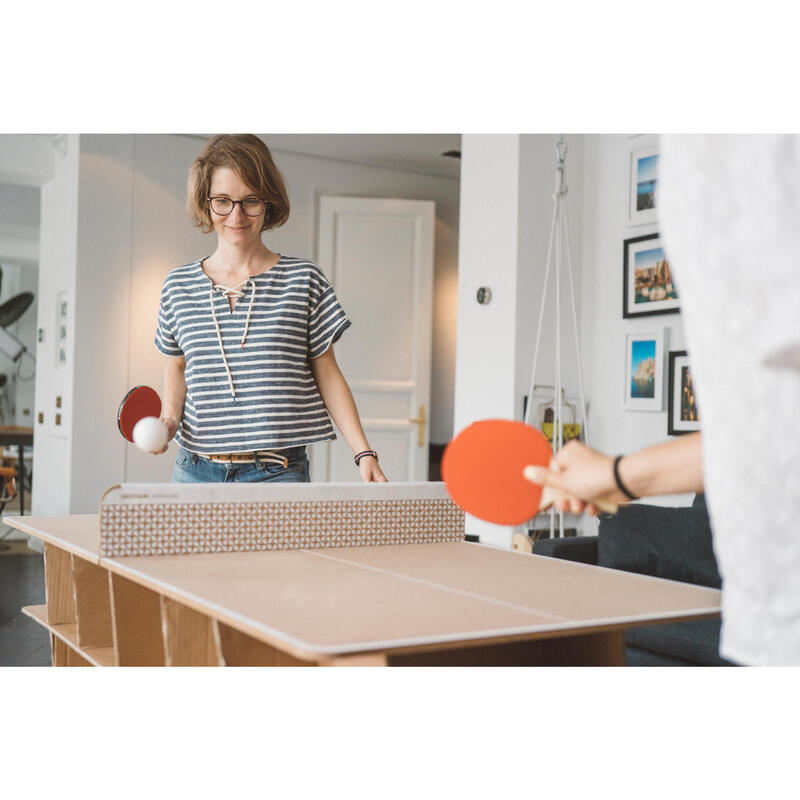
(583, 474)
(370, 470)
(171, 424)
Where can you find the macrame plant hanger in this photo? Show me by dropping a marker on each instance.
(557, 247)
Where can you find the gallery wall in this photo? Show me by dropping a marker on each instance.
(606, 226)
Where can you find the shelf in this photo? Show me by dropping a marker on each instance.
(68, 633)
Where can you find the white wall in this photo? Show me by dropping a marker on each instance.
(612, 428)
(57, 271)
(488, 257)
(113, 224)
(101, 306)
(506, 214)
(28, 159)
(507, 184)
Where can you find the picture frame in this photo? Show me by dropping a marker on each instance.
(644, 370)
(682, 413)
(642, 183)
(647, 285)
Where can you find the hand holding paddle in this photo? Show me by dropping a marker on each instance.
(483, 469)
(138, 420)
(575, 473)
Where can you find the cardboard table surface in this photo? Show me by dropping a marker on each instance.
(346, 600)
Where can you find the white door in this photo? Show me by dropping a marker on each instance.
(378, 253)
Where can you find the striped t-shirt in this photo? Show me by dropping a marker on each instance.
(274, 402)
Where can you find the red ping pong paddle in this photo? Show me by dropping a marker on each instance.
(140, 402)
(483, 470)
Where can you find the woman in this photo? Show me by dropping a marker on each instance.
(248, 333)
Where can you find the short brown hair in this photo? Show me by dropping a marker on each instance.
(251, 160)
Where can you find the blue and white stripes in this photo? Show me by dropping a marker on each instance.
(294, 316)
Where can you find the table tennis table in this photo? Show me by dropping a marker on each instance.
(442, 603)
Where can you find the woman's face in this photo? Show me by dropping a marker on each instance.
(236, 227)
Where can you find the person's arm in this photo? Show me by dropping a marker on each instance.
(339, 401)
(174, 396)
(585, 474)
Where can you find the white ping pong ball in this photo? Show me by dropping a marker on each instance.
(150, 434)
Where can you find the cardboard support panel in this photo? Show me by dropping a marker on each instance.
(75, 659)
(58, 583)
(92, 604)
(68, 633)
(136, 624)
(241, 650)
(191, 639)
(60, 651)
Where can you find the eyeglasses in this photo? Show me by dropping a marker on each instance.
(252, 206)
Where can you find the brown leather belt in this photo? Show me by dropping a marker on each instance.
(269, 456)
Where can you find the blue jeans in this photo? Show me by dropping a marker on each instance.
(191, 468)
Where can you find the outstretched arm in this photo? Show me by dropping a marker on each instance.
(585, 474)
(174, 396)
(339, 401)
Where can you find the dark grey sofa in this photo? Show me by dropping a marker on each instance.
(670, 543)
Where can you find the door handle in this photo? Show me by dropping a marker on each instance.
(420, 422)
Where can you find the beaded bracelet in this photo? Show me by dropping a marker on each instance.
(358, 456)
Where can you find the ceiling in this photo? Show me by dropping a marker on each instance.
(416, 152)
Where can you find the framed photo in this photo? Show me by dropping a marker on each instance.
(682, 416)
(644, 371)
(647, 286)
(642, 182)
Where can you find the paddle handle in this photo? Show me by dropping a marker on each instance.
(550, 495)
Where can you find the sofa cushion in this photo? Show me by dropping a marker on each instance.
(696, 641)
(672, 543)
(571, 548)
(636, 657)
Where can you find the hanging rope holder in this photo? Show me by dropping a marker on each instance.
(558, 245)
(561, 157)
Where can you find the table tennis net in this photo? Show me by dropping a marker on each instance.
(175, 519)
